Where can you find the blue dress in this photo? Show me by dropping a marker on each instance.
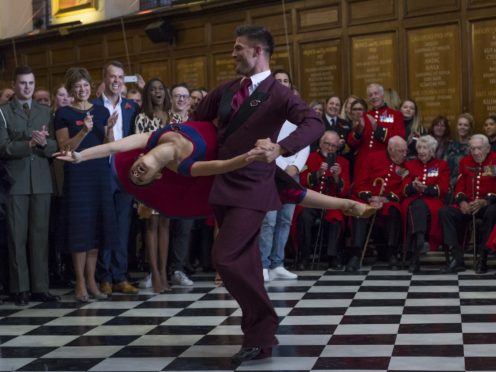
(88, 214)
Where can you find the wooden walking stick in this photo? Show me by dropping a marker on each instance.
(372, 222)
(474, 263)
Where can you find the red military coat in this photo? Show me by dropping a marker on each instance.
(389, 124)
(476, 181)
(309, 180)
(381, 172)
(436, 175)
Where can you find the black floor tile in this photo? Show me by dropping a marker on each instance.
(306, 329)
(70, 364)
(200, 364)
(221, 340)
(207, 312)
(302, 311)
(371, 319)
(385, 339)
(431, 310)
(137, 320)
(60, 330)
(24, 352)
(431, 328)
(150, 351)
(352, 363)
(102, 340)
(180, 330)
(428, 350)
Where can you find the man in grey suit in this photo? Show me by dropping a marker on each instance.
(25, 148)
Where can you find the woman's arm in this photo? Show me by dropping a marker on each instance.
(213, 167)
(132, 142)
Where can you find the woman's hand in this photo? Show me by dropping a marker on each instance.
(69, 156)
(88, 123)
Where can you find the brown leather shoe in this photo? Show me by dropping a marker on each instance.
(125, 287)
(106, 288)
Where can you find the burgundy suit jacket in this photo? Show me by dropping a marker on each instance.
(253, 186)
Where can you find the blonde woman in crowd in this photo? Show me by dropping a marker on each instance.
(413, 125)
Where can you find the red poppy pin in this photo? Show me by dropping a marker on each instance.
(79, 123)
(127, 106)
(255, 102)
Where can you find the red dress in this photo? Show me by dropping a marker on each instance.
(434, 174)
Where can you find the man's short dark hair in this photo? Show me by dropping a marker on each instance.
(283, 71)
(112, 63)
(21, 70)
(180, 85)
(257, 33)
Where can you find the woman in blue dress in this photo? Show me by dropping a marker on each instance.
(87, 207)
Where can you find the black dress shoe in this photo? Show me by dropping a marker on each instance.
(251, 353)
(44, 297)
(414, 268)
(335, 263)
(21, 299)
(353, 264)
(453, 267)
(481, 266)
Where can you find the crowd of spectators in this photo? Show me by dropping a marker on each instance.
(73, 221)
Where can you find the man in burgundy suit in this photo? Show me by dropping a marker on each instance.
(241, 198)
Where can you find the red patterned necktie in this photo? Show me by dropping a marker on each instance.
(242, 94)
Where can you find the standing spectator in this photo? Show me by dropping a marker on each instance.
(327, 173)
(6, 95)
(459, 147)
(113, 263)
(317, 106)
(440, 130)
(87, 205)
(346, 108)
(61, 97)
(25, 147)
(180, 101)
(135, 95)
(333, 122)
(42, 96)
(372, 132)
(153, 115)
(392, 98)
(413, 125)
(474, 196)
(276, 224)
(490, 130)
(196, 97)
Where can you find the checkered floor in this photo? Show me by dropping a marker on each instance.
(375, 319)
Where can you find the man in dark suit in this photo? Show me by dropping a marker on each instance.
(249, 109)
(25, 147)
(113, 263)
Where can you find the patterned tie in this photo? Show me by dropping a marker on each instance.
(241, 95)
(26, 108)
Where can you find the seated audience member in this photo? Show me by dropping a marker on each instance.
(42, 96)
(458, 148)
(135, 95)
(475, 195)
(317, 106)
(490, 130)
(413, 125)
(440, 130)
(6, 95)
(373, 130)
(380, 181)
(424, 189)
(276, 224)
(327, 174)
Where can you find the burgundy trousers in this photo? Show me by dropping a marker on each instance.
(236, 256)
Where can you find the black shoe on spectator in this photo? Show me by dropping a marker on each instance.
(21, 299)
(44, 297)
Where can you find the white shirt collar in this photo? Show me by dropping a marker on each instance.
(107, 101)
(257, 79)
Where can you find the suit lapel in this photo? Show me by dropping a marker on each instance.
(125, 118)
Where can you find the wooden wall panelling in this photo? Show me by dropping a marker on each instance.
(434, 71)
(35, 58)
(271, 17)
(156, 68)
(91, 50)
(320, 69)
(374, 59)
(190, 34)
(413, 8)
(222, 28)
(190, 70)
(369, 11)
(62, 55)
(481, 3)
(318, 18)
(41, 81)
(116, 47)
(483, 70)
(222, 68)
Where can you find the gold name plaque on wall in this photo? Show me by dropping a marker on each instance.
(191, 71)
(223, 68)
(483, 71)
(373, 61)
(434, 71)
(320, 71)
